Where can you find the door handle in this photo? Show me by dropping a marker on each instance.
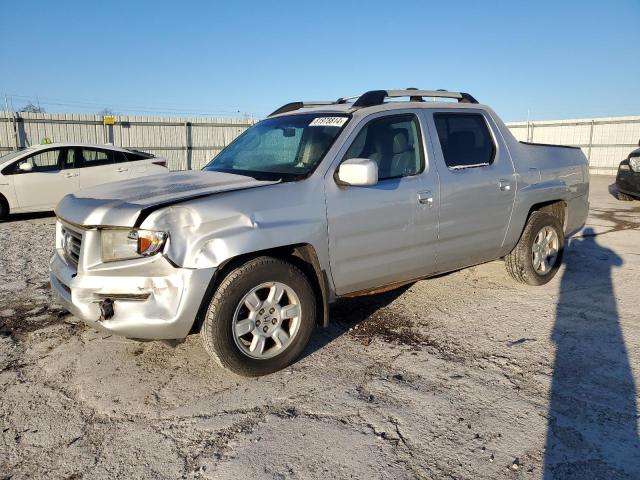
(70, 175)
(425, 198)
(120, 170)
(504, 185)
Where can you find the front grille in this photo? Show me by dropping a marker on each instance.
(71, 244)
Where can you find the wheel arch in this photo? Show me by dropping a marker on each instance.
(557, 208)
(302, 255)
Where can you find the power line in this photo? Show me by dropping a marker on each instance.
(92, 105)
(102, 103)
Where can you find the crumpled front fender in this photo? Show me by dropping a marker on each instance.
(207, 232)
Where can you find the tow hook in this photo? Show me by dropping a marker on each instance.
(106, 309)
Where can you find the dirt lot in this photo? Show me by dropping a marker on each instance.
(463, 376)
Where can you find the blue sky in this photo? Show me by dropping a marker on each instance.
(557, 59)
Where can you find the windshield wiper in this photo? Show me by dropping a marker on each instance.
(259, 175)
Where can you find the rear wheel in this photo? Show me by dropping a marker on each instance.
(537, 257)
(260, 318)
(624, 197)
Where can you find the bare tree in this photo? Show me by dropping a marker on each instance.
(106, 111)
(31, 108)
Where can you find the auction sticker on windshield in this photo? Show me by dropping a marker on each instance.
(328, 122)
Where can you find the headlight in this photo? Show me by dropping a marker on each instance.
(126, 244)
(634, 163)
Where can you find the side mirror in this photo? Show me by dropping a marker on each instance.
(25, 167)
(359, 172)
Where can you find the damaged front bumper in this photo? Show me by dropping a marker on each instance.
(147, 298)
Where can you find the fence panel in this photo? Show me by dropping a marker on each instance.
(604, 141)
(189, 143)
(185, 143)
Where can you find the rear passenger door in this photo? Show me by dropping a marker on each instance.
(131, 164)
(98, 166)
(477, 186)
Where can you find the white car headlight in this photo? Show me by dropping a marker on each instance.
(634, 163)
(126, 244)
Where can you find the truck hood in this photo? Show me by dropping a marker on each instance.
(128, 203)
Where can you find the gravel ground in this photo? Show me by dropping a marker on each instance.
(467, 375)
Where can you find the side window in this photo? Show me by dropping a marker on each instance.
(69, 158)
(46, 161)
(394, 143)
(120, 157)
(465, 140)
(134, 156)
(95, 158)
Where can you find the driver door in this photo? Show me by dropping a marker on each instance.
(53, 175)
(385, 233)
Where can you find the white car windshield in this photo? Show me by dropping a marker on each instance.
(287, 148)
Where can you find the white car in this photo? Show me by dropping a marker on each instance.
(36, 179)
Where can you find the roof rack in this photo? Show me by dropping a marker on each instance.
(377, 97)
(290, 107)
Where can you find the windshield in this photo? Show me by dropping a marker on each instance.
(286, 148)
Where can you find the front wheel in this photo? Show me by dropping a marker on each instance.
(537, 257)
(260, 318)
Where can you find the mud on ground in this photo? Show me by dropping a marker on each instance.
(468, 375)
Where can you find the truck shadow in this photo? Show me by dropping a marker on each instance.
(592, 429)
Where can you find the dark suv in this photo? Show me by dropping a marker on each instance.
(628, 179)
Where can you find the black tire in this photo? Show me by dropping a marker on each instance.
(624, 197)
(519, 262)
(217, 328)
(4, 208)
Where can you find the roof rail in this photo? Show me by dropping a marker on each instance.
(290, 107)
(377, 97)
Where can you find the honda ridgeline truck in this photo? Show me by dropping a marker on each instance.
(318, 201)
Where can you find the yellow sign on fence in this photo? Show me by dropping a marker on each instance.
(109, 120)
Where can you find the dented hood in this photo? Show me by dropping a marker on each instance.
(128, 203)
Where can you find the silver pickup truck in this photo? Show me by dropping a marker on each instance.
(318, 201)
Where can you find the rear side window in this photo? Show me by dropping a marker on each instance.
(465, 140)
(133, 156)
(95, 158)
(392, 142)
